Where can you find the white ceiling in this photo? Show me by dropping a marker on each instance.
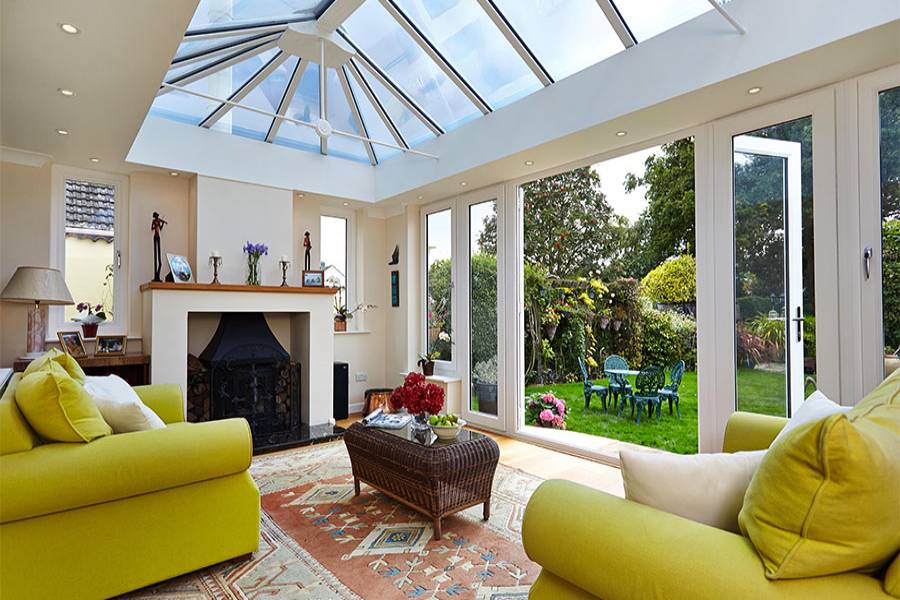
(114, 65)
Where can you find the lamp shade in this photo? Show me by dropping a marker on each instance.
(37, 284)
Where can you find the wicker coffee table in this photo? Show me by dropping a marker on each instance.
(435, 477)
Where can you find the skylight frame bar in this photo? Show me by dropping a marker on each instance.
(323, 96)
(357, 115)
(245, 31)
(295, 121)
(727, 16)
(241, 93)
(376, 103)
(392, 86)
(618, 23)
(515, 40)
(235, 27)
(439, 59)
(223, 63)
(223, 49)
(289, 92)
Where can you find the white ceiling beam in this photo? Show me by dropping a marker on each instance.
(517, 43)
(617, 22)
(194, 57)
(431, 50)
(376, 103)
(289, 92)
(357, 116)
(336, 14)
(224, 63)
(245, 89)
(249, 30)
(727, 16)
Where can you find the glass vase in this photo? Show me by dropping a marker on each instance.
(253, 270)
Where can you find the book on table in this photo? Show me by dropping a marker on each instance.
(379, 418)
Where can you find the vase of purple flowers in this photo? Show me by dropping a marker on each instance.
(254, 252)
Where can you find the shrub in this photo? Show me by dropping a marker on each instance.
(484, 307)
(674, 281)
(667, 338)
(890, 281)
(769, 330)
(750, 306)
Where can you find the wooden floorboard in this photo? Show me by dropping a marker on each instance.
(549, 464)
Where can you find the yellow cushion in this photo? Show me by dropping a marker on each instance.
(826, 498)
(15, 434)
(54, 355)
(58, 408)
(892, 578)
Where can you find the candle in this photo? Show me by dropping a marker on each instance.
(216, 254)
(284, 258)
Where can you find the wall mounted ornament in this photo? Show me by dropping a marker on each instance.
(156, 226)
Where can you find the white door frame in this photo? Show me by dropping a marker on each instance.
(820, 105)
(870, 236)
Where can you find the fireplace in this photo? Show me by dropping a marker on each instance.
(245, 372)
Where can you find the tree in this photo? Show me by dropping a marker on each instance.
(889, 110)
(570, 229)
(666, 227)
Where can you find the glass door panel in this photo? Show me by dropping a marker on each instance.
(773, 261)
(482, 276)
(889, 180)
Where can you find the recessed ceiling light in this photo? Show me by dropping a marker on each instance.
(69, 28)
(299, 195)
(94, 159)
(754, 90)
(529, 163)
(66, 93)
(621, 133)
(419, 197)
(173, 173)
(463, 184)
(346, 204)
(62, 131)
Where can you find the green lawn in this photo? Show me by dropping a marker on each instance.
(670, 433)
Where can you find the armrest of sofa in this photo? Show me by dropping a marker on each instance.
(165, 399)
(749, 431)
(616, 548)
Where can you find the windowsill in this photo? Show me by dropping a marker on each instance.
(354, 332)
(439, 377)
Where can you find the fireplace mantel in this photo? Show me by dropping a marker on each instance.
(166, 307)
(220, 287)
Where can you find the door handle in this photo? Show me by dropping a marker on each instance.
(799, 321)
(867, 261)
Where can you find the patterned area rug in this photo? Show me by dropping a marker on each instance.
(319, 541)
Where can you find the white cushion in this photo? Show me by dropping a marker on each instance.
(707, 488)
(120, 405)
(816, 406)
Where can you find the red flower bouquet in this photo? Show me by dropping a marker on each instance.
(417, 396)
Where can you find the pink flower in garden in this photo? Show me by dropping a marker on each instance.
(546, 415)
(549, 398)
(559, 421)
(560, 407)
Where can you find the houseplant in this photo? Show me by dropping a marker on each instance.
(254, 252)
(91, 321)
(419, 398)
(426, 360)
(342, 313)
(484, 377)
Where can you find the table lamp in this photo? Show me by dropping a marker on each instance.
(36, 285)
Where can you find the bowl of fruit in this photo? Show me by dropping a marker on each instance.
(446, 427)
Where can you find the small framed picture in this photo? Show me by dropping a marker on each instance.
(111, 345)
(72, 343)
(180, 268)
(395, 288)
(313, 278)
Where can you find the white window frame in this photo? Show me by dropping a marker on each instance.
(350, 277)
(120, 323)
(449, 368)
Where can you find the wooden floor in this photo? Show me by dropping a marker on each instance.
(549, 464)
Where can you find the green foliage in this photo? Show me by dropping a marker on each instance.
(667, 338)
(750, 306)
(625, 308)
(890, 281)
(674, 281)
(440, 318)
(809, 336)
(889, 112)
(771, 332)
(484, 307)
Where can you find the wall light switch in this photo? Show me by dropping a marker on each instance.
(362, 377)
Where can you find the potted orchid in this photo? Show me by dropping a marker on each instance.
(342, 313)
(91, 321)
(426, 359)
(254, 252)
(545, 410)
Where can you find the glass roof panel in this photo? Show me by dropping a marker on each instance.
(465, 35)
(222, 12)
(411, 128)
(341, 118)
(190, 47)
(186, 108)
(376, 128)
(266, 96)
(647, 18)
(391, 48)
(304, 106)
(565, 35)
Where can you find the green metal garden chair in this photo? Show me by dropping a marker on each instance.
(590, 388)
(646, 394)
(618, 384)
(670, 391)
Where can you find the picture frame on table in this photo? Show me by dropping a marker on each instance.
(72, 343)
(110, 345)
(313, 278)
(180, 269)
